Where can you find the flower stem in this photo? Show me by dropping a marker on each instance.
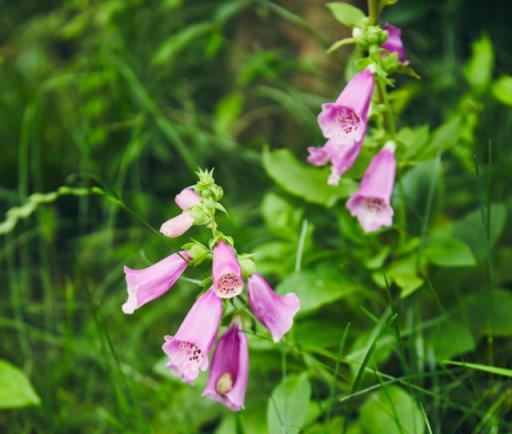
(389, 117)
(373, 11)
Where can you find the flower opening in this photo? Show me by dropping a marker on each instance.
(188, 350)
(226, 271)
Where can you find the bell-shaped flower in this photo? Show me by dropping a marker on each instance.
(226, 271)
(274, 311)
(229, 370)
(188, 349)
(394, 43)
(178, 225)
(371, 203)
(187, 198)
(146, 284)
(344, 124)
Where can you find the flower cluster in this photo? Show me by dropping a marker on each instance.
(344, 124)
(190, 347)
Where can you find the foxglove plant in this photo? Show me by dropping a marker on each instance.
(345, 122)
(189, 349)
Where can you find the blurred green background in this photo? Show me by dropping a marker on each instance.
(133, 96)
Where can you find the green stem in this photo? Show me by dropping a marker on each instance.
(373, 11)
(389, 117)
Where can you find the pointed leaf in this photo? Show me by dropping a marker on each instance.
(15, 388)
(288, 405)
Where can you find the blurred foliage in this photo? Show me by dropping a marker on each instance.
(107, 107)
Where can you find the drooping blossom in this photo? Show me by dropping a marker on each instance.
(274, 311)
(226, 271)
(344, 124)
(148, 283)
(178, 225)
(394, 43)
(371, 203)
(229, 370)
(188, 349)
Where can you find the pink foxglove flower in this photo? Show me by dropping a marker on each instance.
(344, 124)
(394, 42)
(229, 371)
(180, 224)
(274, 311)
(188, 350)
(187, 198)
(371, 203)
(226, 271)
(146, 284)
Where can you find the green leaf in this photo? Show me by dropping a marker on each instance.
(488, 312)
(486, 368)
(281, 217)
(276, 257)
(227, 112)
(479, 68)
(172, 46)
(444, 137)
(15, 388)
(403, 272)
(288, 405)
(473, 232)
(304, 181)
(347, 14)
(502, 89)
(391, 411)
(384, 345)
(451, 339)
(414, 139)
(448, 252)
(316, 288)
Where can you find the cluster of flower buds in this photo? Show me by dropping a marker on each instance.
(190, 347)
(344, 124)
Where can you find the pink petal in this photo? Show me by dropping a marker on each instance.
(226, 271)
(149, 283)
(187, 198)
(275, 312)
(188, 349)
(229, 371)
(177, 226)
